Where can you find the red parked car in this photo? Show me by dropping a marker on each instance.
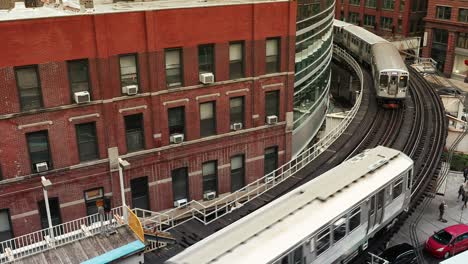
(448, 241)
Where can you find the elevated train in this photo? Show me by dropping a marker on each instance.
(389, 71)
(327, 220)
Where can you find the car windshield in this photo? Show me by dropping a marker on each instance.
(442, 237)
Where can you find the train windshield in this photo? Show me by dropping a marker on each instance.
(403, 81)
(384, 80)
(443, 237)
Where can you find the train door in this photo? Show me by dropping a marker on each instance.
(376, 210)
(392, 85)
(380, 207)
(371, 217)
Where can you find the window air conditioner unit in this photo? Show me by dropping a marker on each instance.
(130, 89)
(206, 78)
(41, 166)
(209, 195)
(236, 126)
(269, 179)
(272, 119)
(180, 202)
(82, 97)
(177, 138)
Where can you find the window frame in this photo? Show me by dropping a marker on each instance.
(10, 223)
(88, 202)
(355, 211)
(442, 11)
(141, 118)
(87, 77)
(50, 162)
(277, 106)
(213, 122)
(242, 114)
(398, 182)
(323, 233)
(276, 155)
(186, 179)
(209, 178)
(183, 121)
(239, 170)
(138, 180)
(181, 68)
(137, 69)
(460, 10)
(39, 87)
(213, 58)
(96, 141)
(278, 55)
(242, 61)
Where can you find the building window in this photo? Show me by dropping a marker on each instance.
(134, 132)
(386, 23)
(353, 18)
(271, 159)
(1, 173)
(236, 107)
(91, 197)
(6, 231)
(462, 40)
(176, 117)
(463, 15)
(173, 67)
(27, 80)
(369, 20)
(210, 178)
(355, 2)
(87, 141)
(180, 184)
(207, 119)
(443, 12)
(139, 189)
(38, 145)
(54, 206)
(388, 4)
(78, 73)
(440, 36)
(272, 104)
(371, 3)
(236, 63)
(237, 173)
(206, 58)
(402, 5)
(272, 55)
(128, 70)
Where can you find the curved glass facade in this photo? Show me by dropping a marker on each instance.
(314, 49)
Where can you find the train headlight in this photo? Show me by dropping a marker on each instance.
(403, 90)
(440, 249)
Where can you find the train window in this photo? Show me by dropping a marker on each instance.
(285, 260)
(355, 219)
(380, 199)
(410, 172)
(403, 81)
(397, 188)
(339, 229)
(323, 241)
(384, 80)
(298, 255)
(372, 206)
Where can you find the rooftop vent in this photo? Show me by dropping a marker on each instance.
(33, 3)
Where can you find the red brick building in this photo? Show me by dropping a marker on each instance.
(183, 138)
(447, 36)
(389, 18)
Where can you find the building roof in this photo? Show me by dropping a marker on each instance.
(72, 7)
(84, 249)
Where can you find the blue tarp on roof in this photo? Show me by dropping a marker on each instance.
(117, 253)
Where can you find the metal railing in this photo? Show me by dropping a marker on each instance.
(40, 241)
(374, 259)
(206, 214)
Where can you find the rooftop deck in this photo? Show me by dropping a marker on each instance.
(72, 7)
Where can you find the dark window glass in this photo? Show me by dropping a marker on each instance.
(462, 40)
(272, 104)
(206, 58)
(134, 132)
(355, 219)
(236, 106)
(369, 20)
(443, 12)
(236, 64)
(271, 159)
(173, 67)
(388, 4)
(384, 80)
(371, 3)
(272, 55)
(1, 173)
(397, 188)
(180, 184)
(403, 81)
(297, 257)
(355, 2)
(207, 119)
(38, 144)
(237, 173)
(380, 199)
(339, 229)
(87, 141)
(386, 23)
(128, 70)
(139, 189)
(323, 241)
(353, 18)
(6, 231)
(210, 178)
(91, 196)
(54, 212)
(176, 117)
(27, 80)
(78, 72)
(463, 15)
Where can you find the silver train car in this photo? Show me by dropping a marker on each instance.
(389, 71)
(327, 220)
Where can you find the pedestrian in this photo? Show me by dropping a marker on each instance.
(465, 199)
(465, 173)
(461, 192)
(441, 211)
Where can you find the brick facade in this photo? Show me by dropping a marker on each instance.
(50, 42)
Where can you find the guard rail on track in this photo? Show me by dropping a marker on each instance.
(206, 214)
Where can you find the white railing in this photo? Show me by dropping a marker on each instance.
(374, 259)
(40, 241)
(206, 213)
